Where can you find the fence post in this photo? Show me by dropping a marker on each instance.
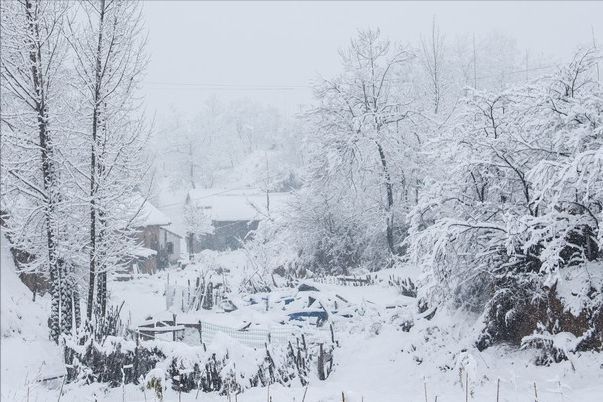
(332, 333)
(174, 331)
(200, 333)
(135, 362)
(321, 364)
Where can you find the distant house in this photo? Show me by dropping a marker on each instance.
(160, 246)
(234, 215)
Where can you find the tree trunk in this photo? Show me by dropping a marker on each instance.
(93, 245)
(101, 293)
(389, 202)
(48, 170)
(75, 300)
(101, 279)
(93, 165)
(54, 321)
(66, 298)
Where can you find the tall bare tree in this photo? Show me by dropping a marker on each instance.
(433, 54)
(33, 53)
(361, 108)
(108, 46)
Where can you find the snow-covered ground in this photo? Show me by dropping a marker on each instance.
(376, 360)
(27, 355)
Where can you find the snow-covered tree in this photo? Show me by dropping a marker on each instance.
(517, 195)
(361, 119)
(219, 142)
(433, 58)
(197, 222)
(37, 194)
(108, 46)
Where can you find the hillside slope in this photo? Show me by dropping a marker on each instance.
(27, 354)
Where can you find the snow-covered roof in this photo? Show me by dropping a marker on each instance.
(148, 214)
(237, 205)
(170, 201)
(144, 252)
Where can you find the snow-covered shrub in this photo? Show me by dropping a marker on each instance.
(405, 286)
(332, 238)
(266, 254)
(108, 325)
(319, 235)
(197, 222)
(550, 350)
(225, 366)
(517, 196)
(154, 382)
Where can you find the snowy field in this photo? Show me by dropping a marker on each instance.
(376, 360)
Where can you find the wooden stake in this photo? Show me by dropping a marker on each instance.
(466, 386)
(497, 389)
(425, 388)
(535, 392)
(342, 397)
(332, 333)
(304, 397)
(61, 390)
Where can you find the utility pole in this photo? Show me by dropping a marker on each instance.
(527, 65)
(595, 46)
(267, 185)
(474, 64)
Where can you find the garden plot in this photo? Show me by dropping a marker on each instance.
(387, 350)
(310, 307)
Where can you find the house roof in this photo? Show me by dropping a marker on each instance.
(144, 252)
(175, 233)
(148, 214)
(237, 205)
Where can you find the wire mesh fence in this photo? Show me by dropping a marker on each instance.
(352, 280)
(205, 333)
(254, 337)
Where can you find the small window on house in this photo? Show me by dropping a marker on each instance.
(170, 247)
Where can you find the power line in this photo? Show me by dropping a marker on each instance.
(228, 190)
(224, 86)
(519, 71)
(161, 85)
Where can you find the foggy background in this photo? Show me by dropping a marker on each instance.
(270, 51)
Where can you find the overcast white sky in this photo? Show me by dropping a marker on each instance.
(269, 51)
